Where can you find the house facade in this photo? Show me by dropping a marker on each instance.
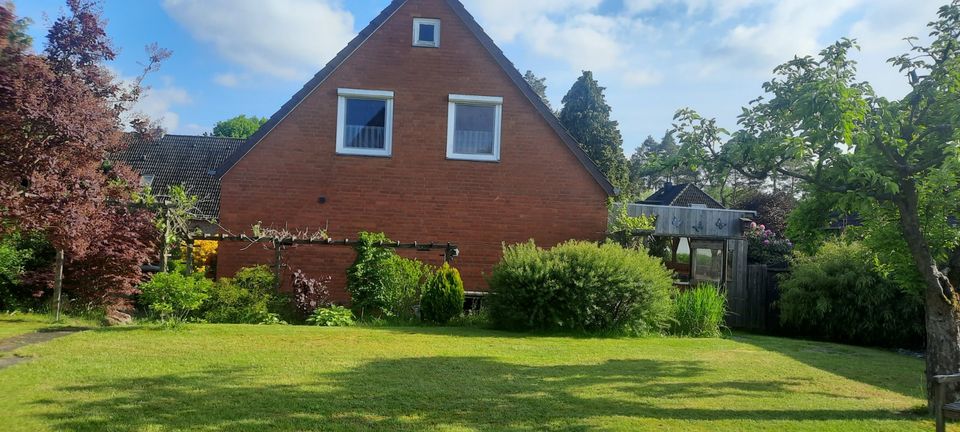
(420, 128)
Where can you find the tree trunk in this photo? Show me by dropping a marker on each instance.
(58, 282)
(940, 298)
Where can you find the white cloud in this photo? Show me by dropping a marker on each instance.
(507, 19)
(880, 33)
(788, 28)
(289, 39)
(158, 104)
(642, 78)
(227, 79)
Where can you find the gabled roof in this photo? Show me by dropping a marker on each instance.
(682, 195)
(487, 43)
(190, 161)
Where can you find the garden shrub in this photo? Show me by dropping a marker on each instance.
(699, 312)
(366, 278)
(333, 316)
(174, 296)
(309, 294)
(580, 286)
(841, 294)
(403, 285)
(204, 256)
(20, 255)
(766, 247)
(443, 296)
(244, 299)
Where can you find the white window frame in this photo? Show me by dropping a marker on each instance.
(486, 101)
(436, 32)
(382, 95)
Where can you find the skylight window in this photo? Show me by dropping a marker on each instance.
(426, 32)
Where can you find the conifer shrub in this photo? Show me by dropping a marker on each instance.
(443, 296)
(580, 286)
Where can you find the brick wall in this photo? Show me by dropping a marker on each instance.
(537, 191)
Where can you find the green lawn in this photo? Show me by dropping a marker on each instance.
(228, 378)
(21, 323)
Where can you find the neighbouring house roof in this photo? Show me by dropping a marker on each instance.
(191, 161)
(487, 43)
(682, 195)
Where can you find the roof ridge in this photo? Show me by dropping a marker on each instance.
(686, 186)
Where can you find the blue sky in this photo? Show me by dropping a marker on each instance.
(654, 56)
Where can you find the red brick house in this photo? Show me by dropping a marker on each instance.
(422, 129)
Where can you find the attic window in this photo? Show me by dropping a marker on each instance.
(146, 180)
(426, 32)
(365, 122)
(473, 130)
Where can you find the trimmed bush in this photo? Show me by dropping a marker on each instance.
(580, 286)
(333, 316)
(174, 296)
(443, 296)
(841, 294)
(699, 312)
(244, 299)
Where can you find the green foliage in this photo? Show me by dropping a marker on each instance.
(699, 312)
(539, 85)
(622, 221)
(239, 127)
(21, 253)
(586, 115)
(173, 295)
(579, 286)
(443, 296)
(244, 299)
(333, 316)
(403, 285)
(367, 277)
(840, 294)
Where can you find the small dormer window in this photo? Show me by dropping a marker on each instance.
(146, 180)
(426, 32)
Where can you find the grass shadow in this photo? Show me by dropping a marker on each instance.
(420, 393)
(847, 362)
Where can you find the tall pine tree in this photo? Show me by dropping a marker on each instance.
(586, 115)
(539, 85)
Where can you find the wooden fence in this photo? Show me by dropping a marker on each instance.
(752, 306)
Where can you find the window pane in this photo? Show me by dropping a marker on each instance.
(366, 124)
(475, 128)
(427, 32)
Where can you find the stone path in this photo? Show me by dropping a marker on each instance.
(17, 342)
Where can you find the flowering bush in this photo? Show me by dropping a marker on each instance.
(205, 256)
(309, 294)
(766, 247)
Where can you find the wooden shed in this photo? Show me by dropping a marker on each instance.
(699, 239)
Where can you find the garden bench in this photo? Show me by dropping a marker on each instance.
(944, 410)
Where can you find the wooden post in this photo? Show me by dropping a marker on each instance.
(58, 281)
(278, 263)
(165, 249)
(189, 256)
